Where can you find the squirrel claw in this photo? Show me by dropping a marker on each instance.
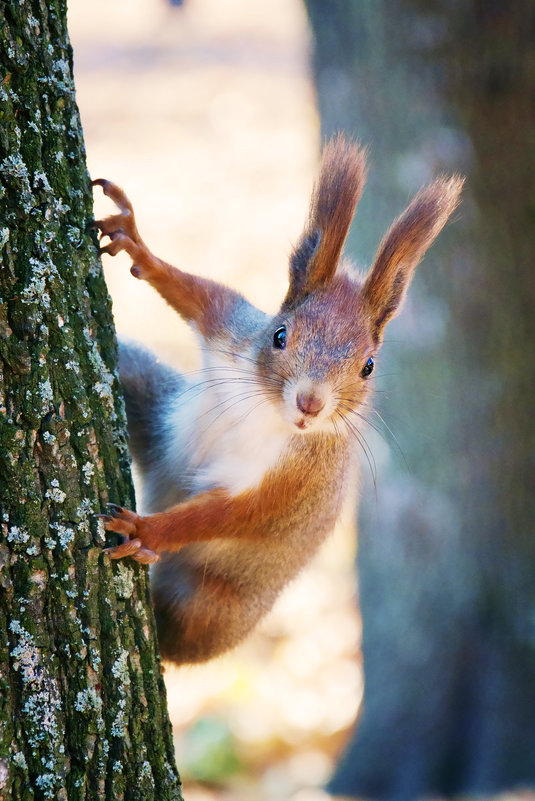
(145, 556)
(115, 508)
(124, 522)
(135, 549)
(114, 192)
(122, 231)
(120, 520)
(127, 548)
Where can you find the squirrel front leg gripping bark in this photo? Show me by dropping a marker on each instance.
(246, 464)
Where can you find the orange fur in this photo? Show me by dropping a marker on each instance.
(230, 541)
(332, 206)
(191, 296)
(404, 245)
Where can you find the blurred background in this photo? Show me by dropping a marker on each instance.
(211, 113)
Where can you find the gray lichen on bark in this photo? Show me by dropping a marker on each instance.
(82, 701)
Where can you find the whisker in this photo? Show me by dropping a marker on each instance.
(335, 426)
(350, 409)
(254, 408)
(395, 439)
(226, 404)
(361, 439)
(283, 375)
(232, 372)
(229, 402)
(381, 433)
(278, 375)
(212, 383)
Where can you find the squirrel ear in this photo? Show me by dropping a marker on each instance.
(332, 206)
(404, 245)
(300, 263)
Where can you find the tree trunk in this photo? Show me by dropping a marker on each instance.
(82, 700)
(447, 553)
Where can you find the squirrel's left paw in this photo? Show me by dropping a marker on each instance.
(129, 525)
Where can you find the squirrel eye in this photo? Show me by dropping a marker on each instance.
(279, 338)
(367, 369)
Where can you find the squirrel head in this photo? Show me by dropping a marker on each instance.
(317, 353)
(321, 354)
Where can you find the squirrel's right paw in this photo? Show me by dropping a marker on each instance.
(120, 228)
(135, 549)
(123, 522)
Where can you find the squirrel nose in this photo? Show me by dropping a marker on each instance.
(310, 404)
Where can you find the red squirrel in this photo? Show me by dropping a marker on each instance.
(246, 464)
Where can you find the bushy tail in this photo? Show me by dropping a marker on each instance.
(148, 385)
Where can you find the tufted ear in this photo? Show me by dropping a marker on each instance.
(403, 247)
(334, 200)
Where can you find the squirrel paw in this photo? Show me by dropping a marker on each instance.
(120, 228)
(126, 523)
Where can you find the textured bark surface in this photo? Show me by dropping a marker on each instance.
(82, 701)
(447, 553)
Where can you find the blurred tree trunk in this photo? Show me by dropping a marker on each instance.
(447, 552)
(82, 700)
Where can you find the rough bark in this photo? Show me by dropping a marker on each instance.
(82, 700)
(447, 553)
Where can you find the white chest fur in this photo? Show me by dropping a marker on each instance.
(227, 431)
